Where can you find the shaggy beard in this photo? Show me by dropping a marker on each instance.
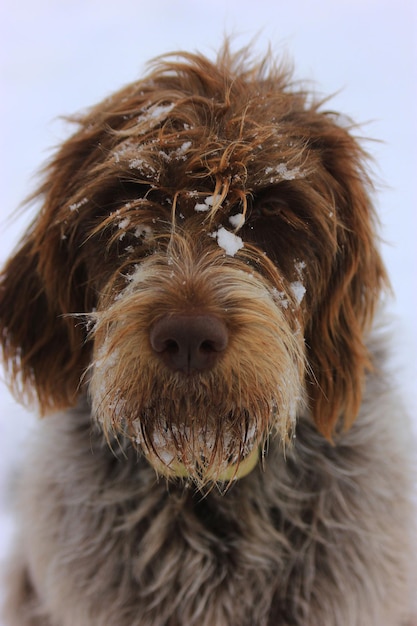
(198, 427)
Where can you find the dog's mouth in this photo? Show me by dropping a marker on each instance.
(201, 471)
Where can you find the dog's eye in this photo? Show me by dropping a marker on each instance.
(271, 208)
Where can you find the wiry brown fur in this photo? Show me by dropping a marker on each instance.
(320, 532)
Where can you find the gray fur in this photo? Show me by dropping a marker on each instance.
(318, 536)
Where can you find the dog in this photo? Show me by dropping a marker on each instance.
(196, 308)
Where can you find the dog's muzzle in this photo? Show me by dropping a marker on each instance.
(188, 344)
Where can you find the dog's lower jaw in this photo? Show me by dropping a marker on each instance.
(226, 474)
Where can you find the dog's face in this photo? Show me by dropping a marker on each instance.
(204, 262)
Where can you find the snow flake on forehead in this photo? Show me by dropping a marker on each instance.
(175, 154)
(142, 232)
(153, 115)
(181, 151)
(299, 267)
(209, 202)
(132, 279)
(298, 290)
(227, 240)
(283, 172)
(124, 150)
(77, 205)
(280, 297)
(132, 155)
(297, 287)
(237, 220)
(142, 166)
(124, 223)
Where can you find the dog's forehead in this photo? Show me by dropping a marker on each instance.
(197, 126)
(246, 151)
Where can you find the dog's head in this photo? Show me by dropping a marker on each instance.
(204, 259)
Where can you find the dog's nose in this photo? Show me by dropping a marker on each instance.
(188, 343)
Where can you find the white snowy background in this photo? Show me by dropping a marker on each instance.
(59, 56)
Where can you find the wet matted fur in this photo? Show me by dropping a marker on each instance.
(194, 307)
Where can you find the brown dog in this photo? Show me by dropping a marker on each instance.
(196, 297)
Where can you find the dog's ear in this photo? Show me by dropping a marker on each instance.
(43, 346)
(46, 281)
(337, 329)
